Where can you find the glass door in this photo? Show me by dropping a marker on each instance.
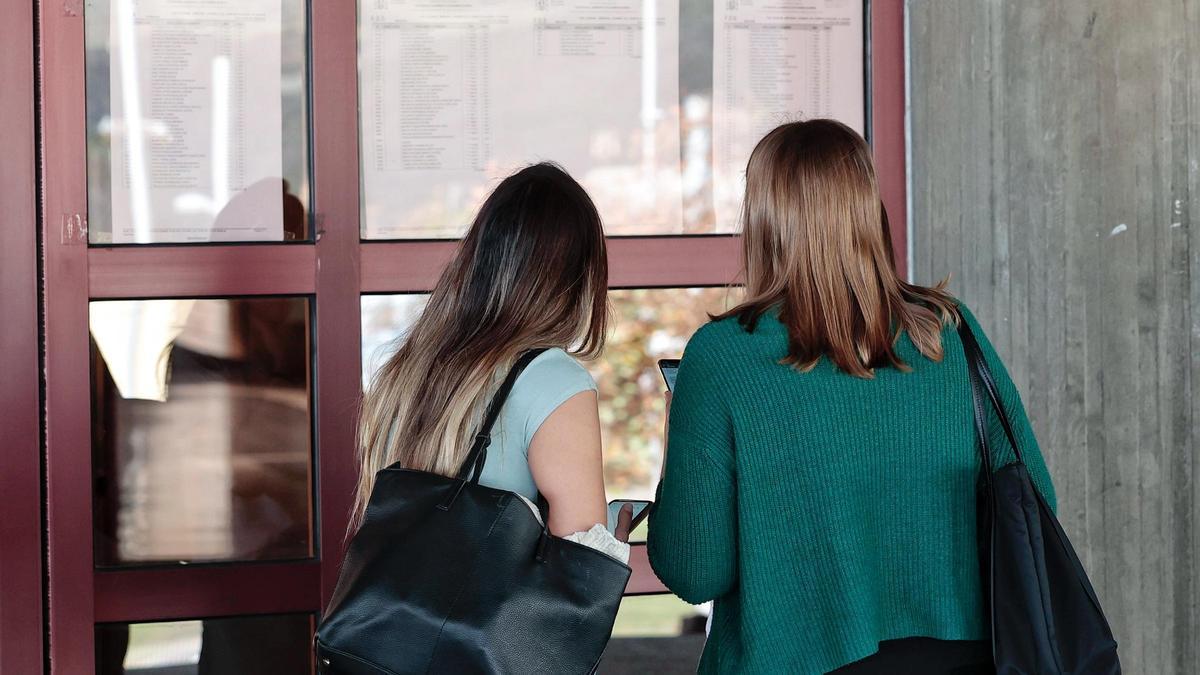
(244, 204)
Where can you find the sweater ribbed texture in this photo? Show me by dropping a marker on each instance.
(823, 512)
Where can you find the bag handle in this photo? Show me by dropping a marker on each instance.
(472, 466)
(983, 385)
(473, 463)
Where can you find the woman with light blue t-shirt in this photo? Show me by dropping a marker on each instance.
(531, 273)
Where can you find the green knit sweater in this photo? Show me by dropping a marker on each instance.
(824, 512)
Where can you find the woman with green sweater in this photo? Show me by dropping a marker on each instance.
(819, 482)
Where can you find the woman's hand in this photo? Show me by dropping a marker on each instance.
(666, 431)
(666, 416)
(624, 519)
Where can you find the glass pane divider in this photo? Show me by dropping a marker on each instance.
(673, 261)
(404, 266)
(634, 262)
(333, 62)
(178, 271)
(886, 105)
(67, 419)
(165, 593)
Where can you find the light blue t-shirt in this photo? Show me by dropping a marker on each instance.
(546, 383)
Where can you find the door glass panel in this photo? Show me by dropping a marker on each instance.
(656, 634)
(455, 95)
(385, 321)
(647, 324)
(265, 645)
(654, 106)
(197, 126)
(202, 430)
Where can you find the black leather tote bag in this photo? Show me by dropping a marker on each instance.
(448, 576)
(1045, 617)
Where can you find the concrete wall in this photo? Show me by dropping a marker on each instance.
(1056, 175)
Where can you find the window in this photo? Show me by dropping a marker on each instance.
(201, 430)
(264, 645)
(197, 121)
(653, 106)
(656, 634)
(647, 324)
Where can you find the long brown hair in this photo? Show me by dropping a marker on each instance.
(815, 245)
(531, 272)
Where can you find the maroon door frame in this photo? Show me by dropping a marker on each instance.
(888, 105)
(65, 289)
(334, 269)
(20, 470)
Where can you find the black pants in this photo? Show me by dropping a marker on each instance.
(924, 656)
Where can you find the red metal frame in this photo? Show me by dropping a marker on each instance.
(20, 467)
(400, 267)
(220, 590)
(887, 120)
(201, 271)
(334, 27)
(335, 269)
(65, 288)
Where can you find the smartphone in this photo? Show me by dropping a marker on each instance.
(641, 509)
(669, 368)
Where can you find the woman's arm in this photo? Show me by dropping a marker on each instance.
(567, 465)
(692, 540)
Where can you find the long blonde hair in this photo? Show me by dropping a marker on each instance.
(815, 245)
(531, 272)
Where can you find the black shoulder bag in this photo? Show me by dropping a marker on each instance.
(448, 576)
(1045, 617)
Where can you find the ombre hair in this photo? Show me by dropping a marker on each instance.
(816, 246)
(531, 272)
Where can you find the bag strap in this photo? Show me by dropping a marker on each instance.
(472, 465)
(983, 386)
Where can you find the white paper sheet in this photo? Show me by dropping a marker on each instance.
(776, 61)
(196, 121)
(456, 95)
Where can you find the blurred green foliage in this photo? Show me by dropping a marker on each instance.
(647, 324)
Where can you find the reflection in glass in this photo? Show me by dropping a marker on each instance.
(647, 325)
(201, 436)
(656, 634)
(264, 645)
(196, 121)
